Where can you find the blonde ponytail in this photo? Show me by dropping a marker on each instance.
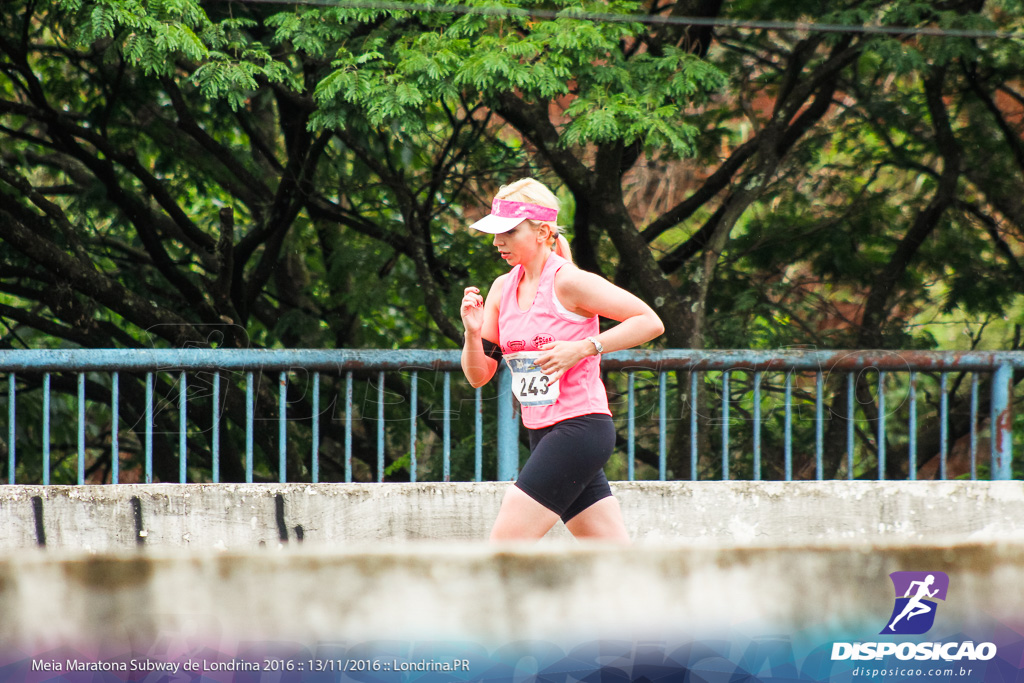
(562, 247)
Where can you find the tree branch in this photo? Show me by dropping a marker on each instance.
(250, 189)
(27, 240)
(877, 304)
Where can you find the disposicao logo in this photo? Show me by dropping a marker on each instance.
(913, 614)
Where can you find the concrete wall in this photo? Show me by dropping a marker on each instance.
(184, 564)
(242, 517)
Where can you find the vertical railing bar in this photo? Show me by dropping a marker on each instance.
(943, 424)
(250, 409)
(215, 437)
(693, 425)
(149, 429)
(412, 425)
(115, 420)
(282, 427)
(992, 429)
(508, 427)
(974, 426)
(348, 427)
(725, 426)
(881, 425)
(757, 425)
(11, 421)
(789, 427)
(819, 427)
(380, 426)
(662, 410)
(46, 429)
(912, 445)
(1002, 423)
(81, 428)
(315, 455)
(446, 464)
(631, 428)
(851, 396)
(478, 445)
(182, 430)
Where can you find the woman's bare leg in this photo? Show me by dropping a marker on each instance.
(521, 518)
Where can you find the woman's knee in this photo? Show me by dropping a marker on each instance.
(601, 521)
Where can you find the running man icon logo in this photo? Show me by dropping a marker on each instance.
(916, 592)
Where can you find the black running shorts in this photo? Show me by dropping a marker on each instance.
(565, 471)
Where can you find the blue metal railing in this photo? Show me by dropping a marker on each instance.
(743, 418)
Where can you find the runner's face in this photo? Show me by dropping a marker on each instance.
(517, 245)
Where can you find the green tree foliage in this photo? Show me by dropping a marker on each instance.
(175, 172)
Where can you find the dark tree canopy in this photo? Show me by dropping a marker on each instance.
(176, 172)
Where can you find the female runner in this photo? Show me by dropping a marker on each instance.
(543, 317)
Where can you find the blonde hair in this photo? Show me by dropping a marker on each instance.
(533, 191)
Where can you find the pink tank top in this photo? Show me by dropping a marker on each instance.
(581, 391)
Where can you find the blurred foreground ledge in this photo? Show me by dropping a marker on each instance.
(473, 592)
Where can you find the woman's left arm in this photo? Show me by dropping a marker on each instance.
(590, 294)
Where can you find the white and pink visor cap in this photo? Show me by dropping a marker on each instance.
(506, 215)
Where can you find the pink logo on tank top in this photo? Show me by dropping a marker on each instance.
(542, 339)
(515, 346)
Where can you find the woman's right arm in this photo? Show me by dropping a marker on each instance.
(480, 319)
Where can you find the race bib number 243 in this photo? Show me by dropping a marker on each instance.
(531, 386)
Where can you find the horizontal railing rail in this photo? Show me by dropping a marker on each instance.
(784, 414)
(87, 360)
